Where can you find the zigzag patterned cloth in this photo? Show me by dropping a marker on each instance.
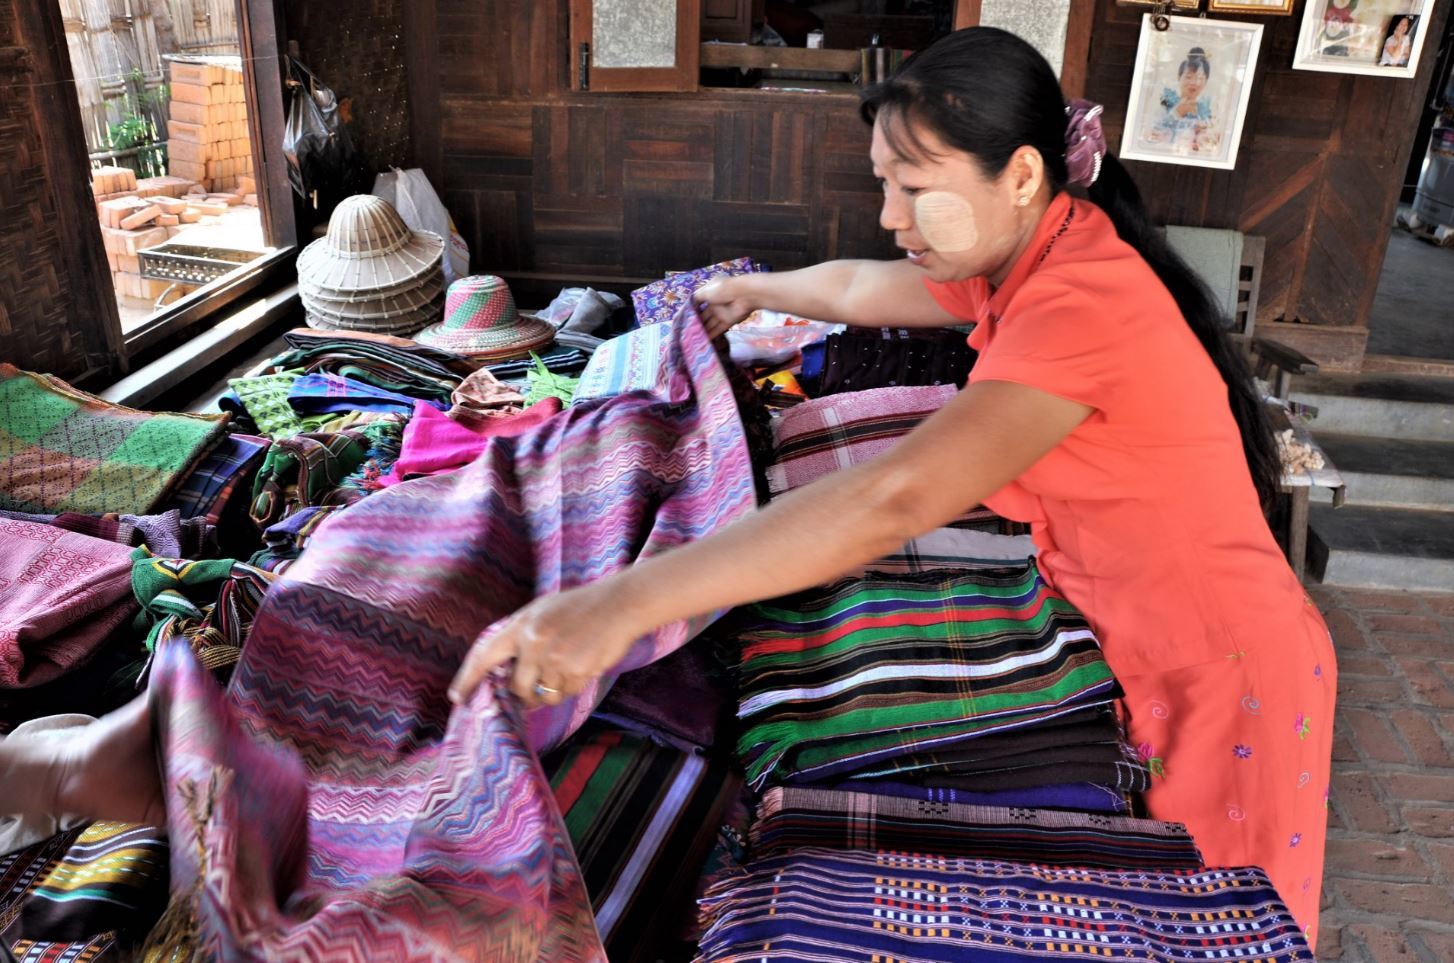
(331, 805)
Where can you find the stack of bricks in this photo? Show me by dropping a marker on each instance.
(207, 133)
(140, 214)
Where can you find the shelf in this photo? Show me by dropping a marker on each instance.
(779, 58)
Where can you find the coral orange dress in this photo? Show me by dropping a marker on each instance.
(1146, 518)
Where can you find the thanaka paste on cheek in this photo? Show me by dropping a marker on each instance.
(946, 221)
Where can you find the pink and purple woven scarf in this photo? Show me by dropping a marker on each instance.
(330, 804)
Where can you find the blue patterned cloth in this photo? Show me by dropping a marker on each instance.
(632, 362)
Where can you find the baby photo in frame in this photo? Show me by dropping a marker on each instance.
(1190, 90)
(1380, 38)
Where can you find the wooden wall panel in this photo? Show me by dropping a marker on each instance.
(57, 314)
(1319, 172)
(620, 188)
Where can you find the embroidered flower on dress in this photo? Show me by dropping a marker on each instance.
(1296, 838)
(1241, 751)
(1302, 725)
(1153, 762)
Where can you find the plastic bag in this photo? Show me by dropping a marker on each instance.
(322, 159)
(770, 338)
(419, 205)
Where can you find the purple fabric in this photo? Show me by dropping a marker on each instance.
(660, 301)
(61, 595)
(333, 804)
(316, 394)
(1078, 796)
(672, 700)
(1085, 142)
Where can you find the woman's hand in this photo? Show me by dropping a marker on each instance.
(560, 644)
(724, 303)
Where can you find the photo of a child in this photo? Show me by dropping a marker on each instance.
(1375, 37)
(1189, 93)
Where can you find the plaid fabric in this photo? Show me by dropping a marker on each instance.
(394, 364)
(964, 549)
(660, 301)
(306, 470)
(1075, 796)
(635, 361)
(285, 540)
(210, 604)
(641, 819)
(317, 394)
(557, 358)
(266, 399)
(820, 437)
(88, 894)
(61, 595)
(790, 818)
(62, 450)
(203, 491)
(836, 907)
(840, 679)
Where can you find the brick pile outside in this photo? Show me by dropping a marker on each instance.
(1388, 890)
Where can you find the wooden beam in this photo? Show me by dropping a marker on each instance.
(262, 64)
(421, 64)
(779, 58)
(967, 13)
(1076, 63)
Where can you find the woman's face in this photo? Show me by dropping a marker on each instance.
(1193, 81)
(952, 221)
(1401, 29)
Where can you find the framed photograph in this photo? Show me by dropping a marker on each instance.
(1189, 92)
(1381, 38)
(1265, 8)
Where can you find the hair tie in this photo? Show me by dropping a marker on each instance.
(1085, 143)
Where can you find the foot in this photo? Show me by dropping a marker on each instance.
(109, 770)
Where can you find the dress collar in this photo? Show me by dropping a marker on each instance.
(1053, 223)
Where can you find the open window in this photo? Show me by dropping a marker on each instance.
(175, 131)
(792, 45)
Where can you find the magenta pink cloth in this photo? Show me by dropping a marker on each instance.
(61, 594)
(434, 443)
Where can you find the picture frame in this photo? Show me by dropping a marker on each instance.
(1378, 38)
(1190, 91)
(1256, 8)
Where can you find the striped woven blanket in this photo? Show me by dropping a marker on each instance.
(837, 907)
(877, 668)
(793, 817)
(332, 805)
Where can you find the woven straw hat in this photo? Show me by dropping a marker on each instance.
(400, 325)
(368, 248)
(480, 319)
(379, 305)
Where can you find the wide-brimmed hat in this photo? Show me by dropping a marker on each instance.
(368, 247)
(480, 319)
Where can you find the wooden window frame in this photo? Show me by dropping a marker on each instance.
(259, 43)
(586, 77)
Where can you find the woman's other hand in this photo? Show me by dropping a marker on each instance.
(560, 644)
(724, 303)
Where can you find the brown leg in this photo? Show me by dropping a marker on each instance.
(1297, 531)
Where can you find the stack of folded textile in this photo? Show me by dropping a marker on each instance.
(972, 680)
(852, 905)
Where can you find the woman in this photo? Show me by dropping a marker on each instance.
(1107, 409)
(1399, 46)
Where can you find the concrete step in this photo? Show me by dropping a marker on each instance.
(1380, 406)
(1391, 472)
(1384, 548)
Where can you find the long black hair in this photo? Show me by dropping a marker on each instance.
(987, 93)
